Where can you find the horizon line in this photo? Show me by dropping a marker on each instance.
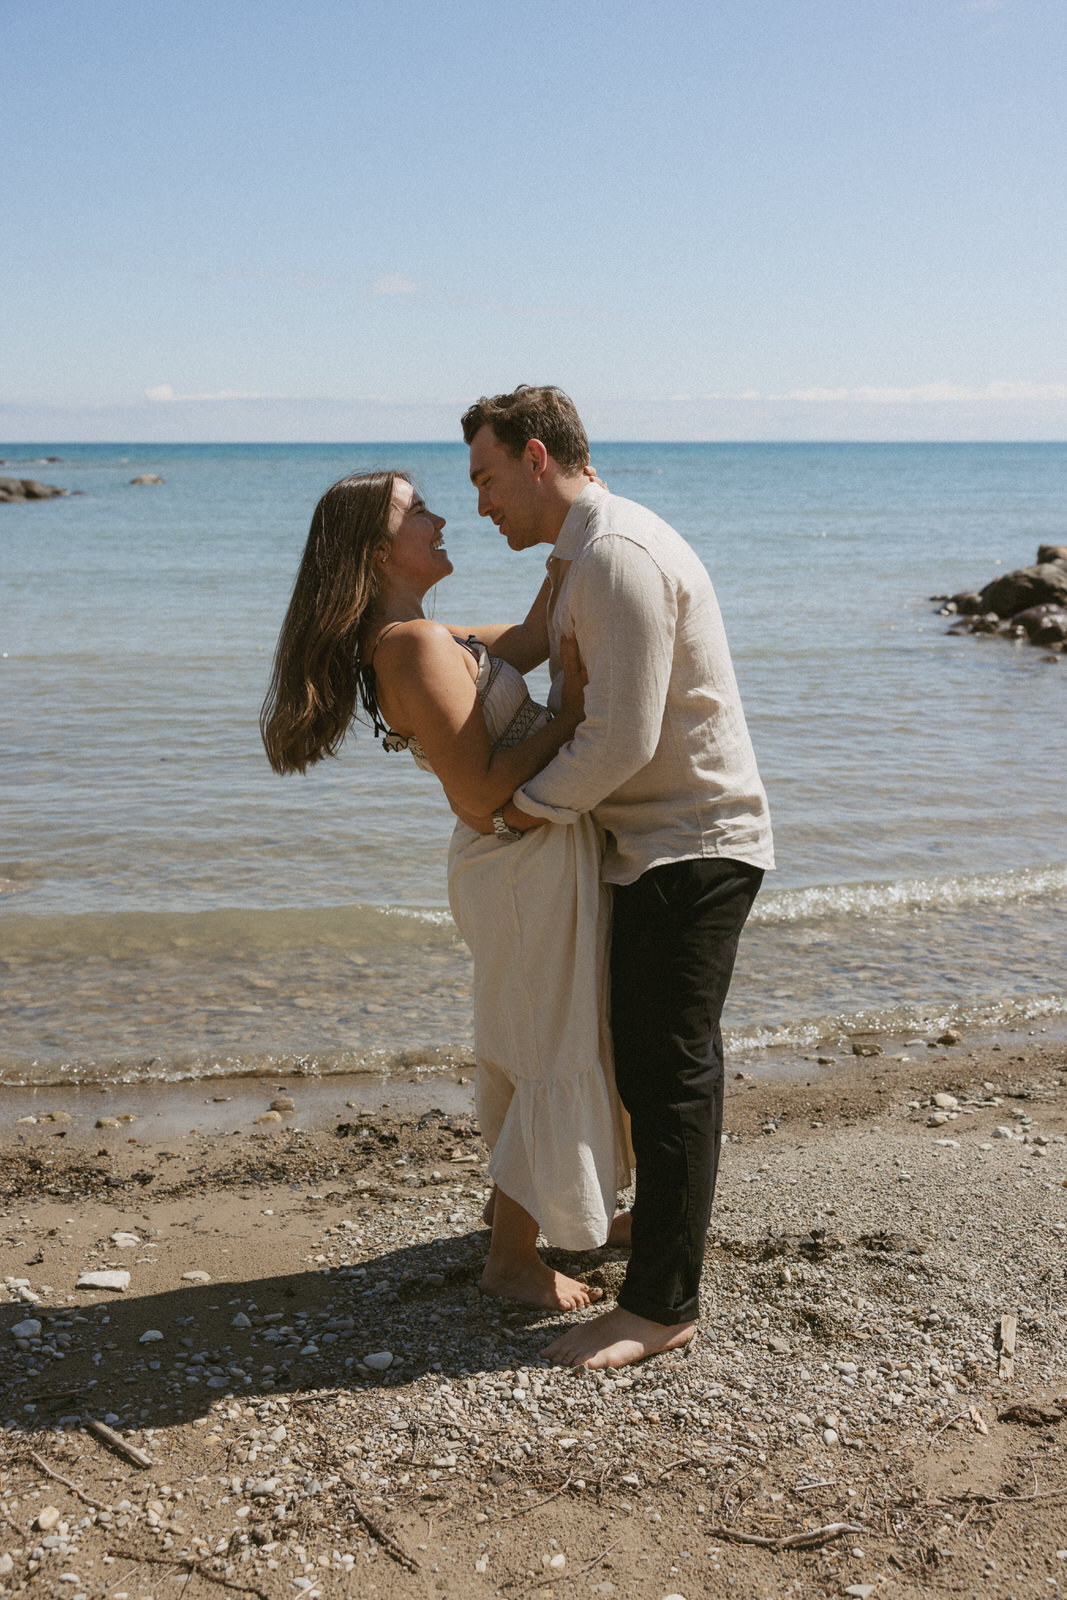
(459, 444)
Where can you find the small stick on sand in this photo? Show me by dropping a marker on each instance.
(386, 1540)
(553, 1496)
(1006, 1344)
(98, 1505)
(117, 1442)
(192, 1564)
(789, 1541)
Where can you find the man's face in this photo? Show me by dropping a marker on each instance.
(507, 488)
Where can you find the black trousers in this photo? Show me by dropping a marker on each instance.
(674, 938)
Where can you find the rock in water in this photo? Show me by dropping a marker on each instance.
(28, 489)
(1044, 584)
(1045, 624)
(148, 477)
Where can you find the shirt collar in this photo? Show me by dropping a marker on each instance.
(576, 523)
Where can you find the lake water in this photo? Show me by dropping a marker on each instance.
(174, 908)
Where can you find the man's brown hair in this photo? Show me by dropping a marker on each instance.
(532, 412)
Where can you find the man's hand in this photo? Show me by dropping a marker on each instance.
(521, 820)
(511, 813)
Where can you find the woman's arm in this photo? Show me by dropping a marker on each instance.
(427, 692)
(523, 644)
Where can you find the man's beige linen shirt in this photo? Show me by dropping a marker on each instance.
(663, 759)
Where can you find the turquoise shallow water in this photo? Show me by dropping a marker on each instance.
(175, 905)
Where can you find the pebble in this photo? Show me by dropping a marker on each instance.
(152, 1336)
(107, 1122)
(30, 1329)
(125, 1241)
(103, 1280)
(829, 1436)
(269, 1116)
(946, 1102)
(241, 1321)
(6, 1564)
(46, 1518)
(282, 1102)
(196, 1276)
(378, 1360)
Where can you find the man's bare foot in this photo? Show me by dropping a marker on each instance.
(536, 1284)
(615, 1339)
(619, 1232)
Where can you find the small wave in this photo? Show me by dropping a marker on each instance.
(427, 1059)
(886, 1020)
(910, 894)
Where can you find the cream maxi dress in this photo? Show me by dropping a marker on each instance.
(536, 918)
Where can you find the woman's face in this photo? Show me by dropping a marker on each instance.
(416, 551)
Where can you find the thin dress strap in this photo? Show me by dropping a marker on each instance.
(368, 688)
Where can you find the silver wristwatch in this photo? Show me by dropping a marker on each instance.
(503, 830)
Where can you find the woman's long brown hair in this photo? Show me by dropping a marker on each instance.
(314, 685)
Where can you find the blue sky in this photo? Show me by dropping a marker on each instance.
(720, 219)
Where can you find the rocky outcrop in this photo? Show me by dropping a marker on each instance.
(1030, 603)
(148, 477)
(1045, 584)
(28, 489)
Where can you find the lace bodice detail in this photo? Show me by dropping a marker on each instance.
(510, 714)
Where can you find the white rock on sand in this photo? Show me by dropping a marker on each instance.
(103, 1280)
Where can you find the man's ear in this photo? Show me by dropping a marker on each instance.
(536, 456)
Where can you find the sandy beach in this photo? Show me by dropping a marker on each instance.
(876, 1402)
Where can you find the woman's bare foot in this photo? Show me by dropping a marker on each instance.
(536, 1284)
(619, 1232)
(514, 1270)
(489, 1208)
(616, 1339)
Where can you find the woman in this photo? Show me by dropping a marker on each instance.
(531, 908)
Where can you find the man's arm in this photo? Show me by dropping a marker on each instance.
(624, 614)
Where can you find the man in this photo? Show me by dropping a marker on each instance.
(664, 762)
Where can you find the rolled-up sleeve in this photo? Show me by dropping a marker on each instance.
(623, 612)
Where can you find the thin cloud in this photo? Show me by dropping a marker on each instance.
(931, 393)
(163, 394)
(394, 283)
